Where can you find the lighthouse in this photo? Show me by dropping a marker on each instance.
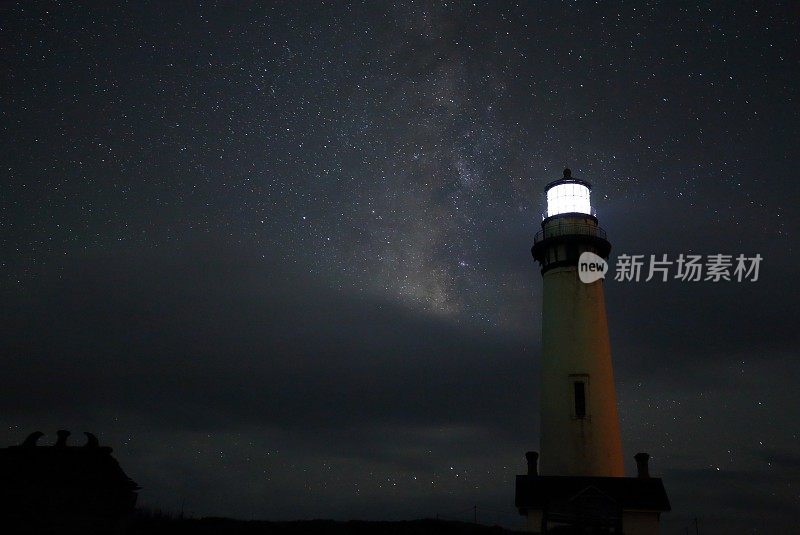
(579, 424)
(577, 479)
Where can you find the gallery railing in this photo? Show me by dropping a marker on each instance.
(569, 229)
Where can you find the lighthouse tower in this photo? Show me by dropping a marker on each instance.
(580, 428)
(580, 485)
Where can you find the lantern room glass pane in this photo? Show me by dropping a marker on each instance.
(568, 198)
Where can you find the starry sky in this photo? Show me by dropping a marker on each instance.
(278, 254)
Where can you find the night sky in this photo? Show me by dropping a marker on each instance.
(278, 255)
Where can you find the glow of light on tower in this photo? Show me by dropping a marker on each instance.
(568, 198)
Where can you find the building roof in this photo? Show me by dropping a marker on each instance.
(47, 487)
(629, 493)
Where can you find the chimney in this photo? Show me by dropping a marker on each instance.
(533, 463)
(641, 465)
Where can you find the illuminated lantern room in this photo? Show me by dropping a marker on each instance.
(568, 196)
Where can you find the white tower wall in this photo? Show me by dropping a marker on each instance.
(580, 434)
(576, 348)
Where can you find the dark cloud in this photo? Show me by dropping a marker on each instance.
(244, 337)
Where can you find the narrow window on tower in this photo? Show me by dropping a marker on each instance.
(579, 385)
(580, 399)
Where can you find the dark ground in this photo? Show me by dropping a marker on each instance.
(155, 525)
